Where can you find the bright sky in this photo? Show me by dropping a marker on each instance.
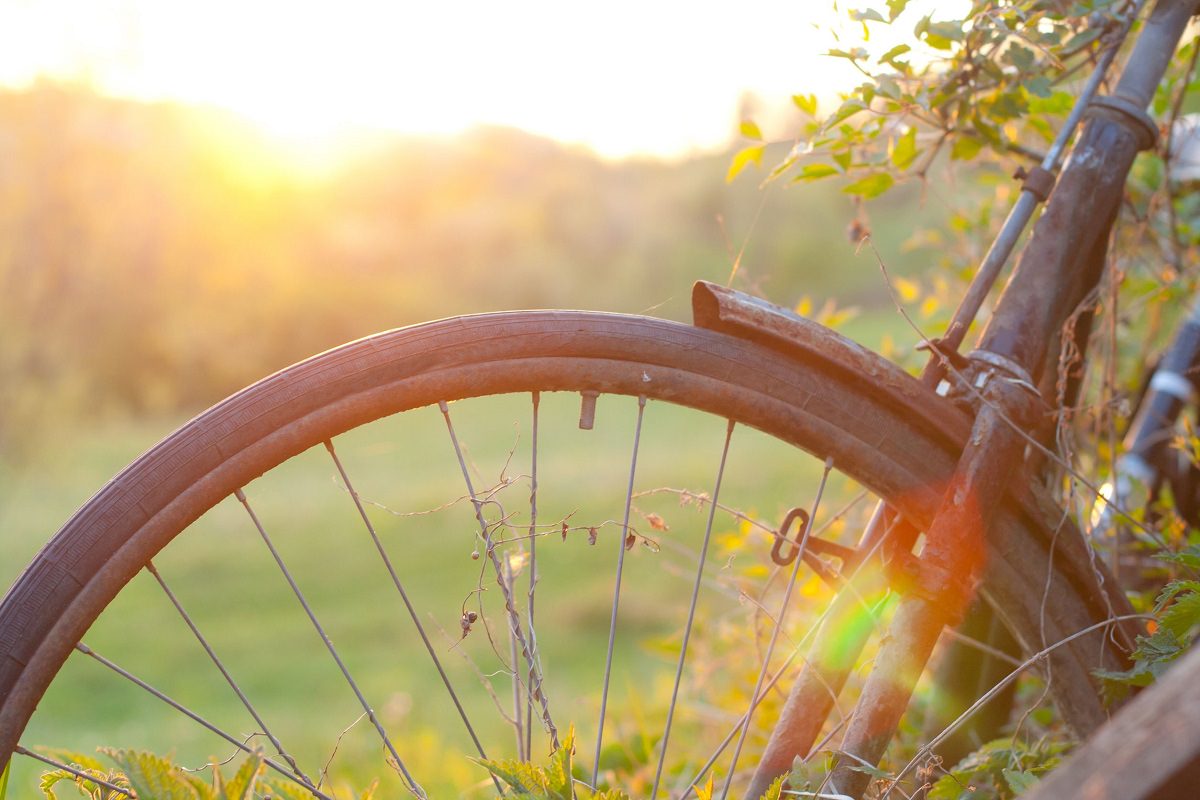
(621, 76)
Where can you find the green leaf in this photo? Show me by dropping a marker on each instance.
(775, 790)
(1020, 57)
(965, 148)
(747, 156)
(242, 783)
(4, 780)
(871, 186)
(952, 31)
(806, 103)
(1039, 86)
(842, 159)
(152, 776)
(849, 107)
(891, 55)
(1173, 588)
(1019, 780)
(888, 87)
(857, 54)
(1055, 103)
(814, 172)
(895, 8)
(1183, 615)
(905, 149)
(750, 130)
(1188, 557)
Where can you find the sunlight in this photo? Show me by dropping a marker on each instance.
(622, 78)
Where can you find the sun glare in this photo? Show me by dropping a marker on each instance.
(621, 77)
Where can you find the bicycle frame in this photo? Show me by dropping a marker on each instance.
(1061, 264)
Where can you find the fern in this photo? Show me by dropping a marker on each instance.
(151, 776)
(1177, 610)
(552, 782)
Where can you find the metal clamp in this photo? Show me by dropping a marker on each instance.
(1125, 111)
(1011, 371)
(1037, 181)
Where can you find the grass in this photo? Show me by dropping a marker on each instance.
(224, 576)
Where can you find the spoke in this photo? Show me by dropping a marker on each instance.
(224, 672)
(815, 630)
(239, 744)
(413, 786)
(387, 563)
(737, 726)
(515, 659)
(687, 631)
(612, 624)
(510, 607)
(533, 576)
(783, 607)
(78, 773)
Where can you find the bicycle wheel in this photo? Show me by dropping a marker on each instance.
(844, 406)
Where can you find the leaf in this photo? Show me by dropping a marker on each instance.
(1020, 57)
(1188, 557)
(891, 55)
(657, 522)
(965, 148)
(905, 150)
(242, 783)
(806, 103)
(1039, 86)
(857, 54)
(842, 159)
(1183, 615)
(952, 31)
(559, 783)
(750, 129)
(895, 8)
(1019, 780)
(849, 107)
(706, 792)
(152, 776)
(871, 186)
(747, 156)
(522, 777)
(4, 780)
(775, 790)
(813, 172)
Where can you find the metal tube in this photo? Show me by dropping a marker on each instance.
(1022, 211)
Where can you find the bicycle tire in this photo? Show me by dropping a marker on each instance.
(836, 401)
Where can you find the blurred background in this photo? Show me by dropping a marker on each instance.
(192, 196)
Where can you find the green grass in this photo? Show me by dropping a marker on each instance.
(224, 576)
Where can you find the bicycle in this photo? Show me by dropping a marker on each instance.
(941, 473)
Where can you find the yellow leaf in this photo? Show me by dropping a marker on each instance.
(805, 306)
(705, 793)
(743, 159)
(929, 307)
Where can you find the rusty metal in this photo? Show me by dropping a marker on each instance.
(949, 570)
(781, 536)
(1042, 291)
(834, 652)
(1149, 751)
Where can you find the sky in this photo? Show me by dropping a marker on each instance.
(623, 77)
